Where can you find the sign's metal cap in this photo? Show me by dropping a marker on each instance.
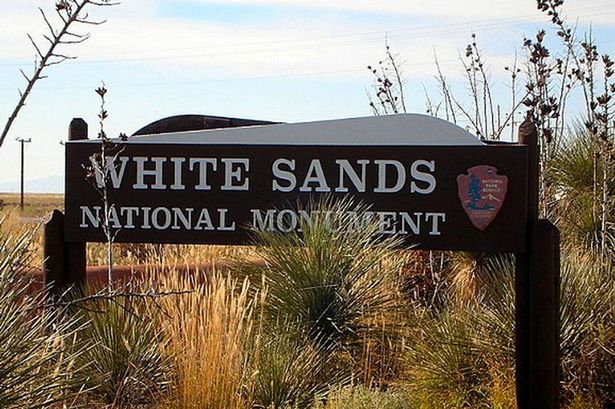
(400, 130)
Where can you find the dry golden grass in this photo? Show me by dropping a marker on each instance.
(17, 222)
(35, 205)
(209, 333)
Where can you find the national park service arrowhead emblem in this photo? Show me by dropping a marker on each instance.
(482, 192)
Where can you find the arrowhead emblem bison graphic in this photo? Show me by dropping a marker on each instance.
(482, 192)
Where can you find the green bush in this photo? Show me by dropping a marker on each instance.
(464, 357)
(444, 367)
(293, 370)
(337, 280)
(35, 363)
(333, 273)
(121, 362)
(578, 196)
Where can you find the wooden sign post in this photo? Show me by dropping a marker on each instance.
(537, 279)
(427, 181)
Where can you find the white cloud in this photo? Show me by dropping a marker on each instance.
(134, 33)
(206, 48)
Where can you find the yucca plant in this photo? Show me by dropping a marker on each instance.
(332, 273)
(587, 331)
(338, 280)
(494, 316)
(576, 170)
(444, 367)
(293, 370)
(573, 162)
(122, 362)
(35, 364)
(492, 319)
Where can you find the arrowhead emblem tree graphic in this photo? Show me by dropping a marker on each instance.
(482, 192)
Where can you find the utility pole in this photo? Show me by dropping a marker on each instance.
(22, 141)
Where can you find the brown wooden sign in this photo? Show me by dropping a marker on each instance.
(435, 197)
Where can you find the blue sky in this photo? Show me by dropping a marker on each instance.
(283, 60)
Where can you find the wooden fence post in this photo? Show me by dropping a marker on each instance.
(75, 252)
(53, 249)
(536, 298)
(64, 264)
(544, 318)
(77, 130)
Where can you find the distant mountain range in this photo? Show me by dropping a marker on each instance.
(50, 184)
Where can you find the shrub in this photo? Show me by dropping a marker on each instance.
(121, 360)
(445, 369)
(338, 279)
(587, 331)
(292, 370)
(35, 364)
(465, 357)
(332, 273)
(575, 165)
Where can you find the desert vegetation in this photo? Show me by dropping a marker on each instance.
(323, 320)
(342, 319)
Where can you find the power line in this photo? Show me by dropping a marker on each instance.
(256, 77)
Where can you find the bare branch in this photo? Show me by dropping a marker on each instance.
(46, 37)
(24, 75)
(59, 13)
(398, 76)
(69, 33)
(510, 116)
(93, 23)
(446, 92)
(108, 3)
(431, 108)
(68, 57)
(78, 41)
(388, 85)
(36, 46)
(49, 26)
(60, 60)
(112, 296)
(71, 12)
(467, 115)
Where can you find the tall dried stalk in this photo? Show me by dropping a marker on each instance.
(445, 90)
(388, 87)
(482, 115)
(98, 173)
